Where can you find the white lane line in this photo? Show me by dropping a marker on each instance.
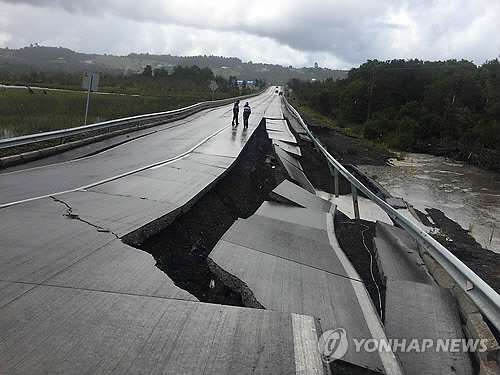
(175, 158)
(305, 345)
(161, 163)
(169, 162)
(182, 122)
(389, 360)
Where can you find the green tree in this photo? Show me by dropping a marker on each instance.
(148, 71)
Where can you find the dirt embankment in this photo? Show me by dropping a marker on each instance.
(316, 167)
(484, 158)
(182, 248)
(485, 263)
(350, 149)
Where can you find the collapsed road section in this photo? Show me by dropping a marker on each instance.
(232, 220)
(75, 298)
(267, 254)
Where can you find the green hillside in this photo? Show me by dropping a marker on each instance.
(56, 60)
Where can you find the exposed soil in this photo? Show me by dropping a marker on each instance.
(481, 157)
(345, 368)
(181, 249)
(353, 235)
(350, 149)
(424, 218)
(485, 263)
(316, 167)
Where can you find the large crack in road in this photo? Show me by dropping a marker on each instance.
(70, 215)
(181, 249)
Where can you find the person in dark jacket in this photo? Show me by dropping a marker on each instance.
(246, 115)
(236, 109)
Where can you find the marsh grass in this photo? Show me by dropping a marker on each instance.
(24, 113)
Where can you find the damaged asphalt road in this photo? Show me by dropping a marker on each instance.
(70, 215)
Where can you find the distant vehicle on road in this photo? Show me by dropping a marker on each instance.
(276, 92)
(281, 92)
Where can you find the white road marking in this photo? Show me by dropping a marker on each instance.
(305, 345)
(160, 163)
(163, 162)
(138, 138)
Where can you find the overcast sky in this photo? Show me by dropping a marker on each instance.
(338, 34)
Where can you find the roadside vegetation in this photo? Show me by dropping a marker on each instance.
(27, 111)
(449, 108)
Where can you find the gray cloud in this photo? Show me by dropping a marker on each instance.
(342, 32)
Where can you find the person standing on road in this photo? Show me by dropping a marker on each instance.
(236, 110)
(246, 115)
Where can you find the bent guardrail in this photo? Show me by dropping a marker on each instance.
(134, 121)
(485, 298)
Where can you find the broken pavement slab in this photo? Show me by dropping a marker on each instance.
(421, 311)
(119, 268)
(368, 210)
(288, 147)
(294, 169)
(98, 332)
(282, 244)
(39, 241)
(285, 156)
(281, 136)
(277, 125)
(119, 214)
(287, 226)
(290, 192)
(271, 271)
(279, 132)
(65, 252)
(279, 284)
(292, 214)
(396, 202)
(397, 255)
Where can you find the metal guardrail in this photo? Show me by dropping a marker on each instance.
(485, 298)
(127, 122)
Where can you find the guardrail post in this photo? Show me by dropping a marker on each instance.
(336, 182)
(316, 147)
(335, 173)
(355, 201)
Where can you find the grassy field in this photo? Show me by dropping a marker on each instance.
(312, 116)
(23, 113)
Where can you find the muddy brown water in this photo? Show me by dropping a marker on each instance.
(466, 194)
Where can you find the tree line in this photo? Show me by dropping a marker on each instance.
(449, 108)
(180, 79)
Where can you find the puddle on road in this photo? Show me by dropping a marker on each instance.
(466, 194)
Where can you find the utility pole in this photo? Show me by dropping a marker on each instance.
(88, 99)
(91, 83)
